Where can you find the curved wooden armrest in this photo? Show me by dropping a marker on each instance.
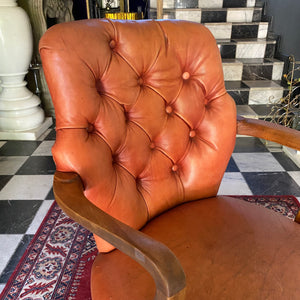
(269, 131)
(155, 257)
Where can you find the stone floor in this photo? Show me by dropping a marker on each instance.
(26, 174)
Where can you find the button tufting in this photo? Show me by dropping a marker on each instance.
(174, 168)
(169, 109)
(90, 128)
(186, 75)
(112, 44)
(152, 145)
(140, 81)
(192, 133)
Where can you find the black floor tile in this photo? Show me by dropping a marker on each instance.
(232, 167)
(50, 195)
(19, 148)
(285, 161)
(37, 165)
(4, 180)
(271, 183)
(15, 258)
(249, 144)
(17, 215)
(51, 136)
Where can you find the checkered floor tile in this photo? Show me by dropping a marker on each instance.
(26, 174)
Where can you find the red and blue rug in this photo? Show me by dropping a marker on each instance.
(57, 263)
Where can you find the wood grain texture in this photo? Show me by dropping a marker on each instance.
(155, 257)
(269, 131)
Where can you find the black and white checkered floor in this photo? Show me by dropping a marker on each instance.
(26, 174)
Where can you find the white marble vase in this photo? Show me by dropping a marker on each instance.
(20, 109)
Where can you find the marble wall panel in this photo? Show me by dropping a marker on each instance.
(244, 31)
(234, 3)
(227, 50)
(186, 3)
(213, 16)
(232, 70)
(166, 4)
(257, 72)
(270, 50)
(264, 92)
(257, 13)
(263, 30)
(277, 70)
(220, 30)
(250, 49)
(239, 97)
(193, 15)
(239, 14)
(210, 4)
(251, 3)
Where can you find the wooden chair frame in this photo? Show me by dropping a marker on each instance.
(155, 257)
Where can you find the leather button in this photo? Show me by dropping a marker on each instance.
(90, 128)
(186, 75)
(112, 44)
(192, 133)
(140, 81)
(169, 109)
(174, 168)
(152, 145)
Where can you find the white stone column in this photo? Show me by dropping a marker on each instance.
(21, 116)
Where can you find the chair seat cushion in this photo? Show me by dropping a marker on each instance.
(229, 249)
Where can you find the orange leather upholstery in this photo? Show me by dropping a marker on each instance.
(229, 249)
(142, 114)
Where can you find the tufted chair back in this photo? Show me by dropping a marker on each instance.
(142, 114)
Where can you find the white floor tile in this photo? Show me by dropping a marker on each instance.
(26, 187)
(257, 162)
(8, 245)
(2, 143)
(42, 137)
(295, 175)
(2, 287)
(9, 165)
(44, 149)
(39, 217)
(233, 183)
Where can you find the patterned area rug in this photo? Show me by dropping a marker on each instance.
(57, 263)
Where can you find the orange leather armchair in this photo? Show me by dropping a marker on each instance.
(145, 130)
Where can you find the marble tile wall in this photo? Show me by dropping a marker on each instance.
(210, 4)
(251, 49)
(239, 15)
(220, 30)
(264, 92)
(193, 15)
(232, 69)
